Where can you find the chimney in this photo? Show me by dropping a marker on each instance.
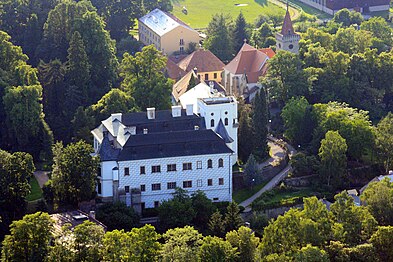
(196, 127)
(211, 84)
(195, 70)
(116, 117)
(176, 111)
(145, 131)
(132, 130)
(151, 113)
(190, 109)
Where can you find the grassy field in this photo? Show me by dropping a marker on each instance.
(200, 12)
(243, 194)
(36, 192)
(311, 10)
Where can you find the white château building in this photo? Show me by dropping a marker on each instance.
(146, 155)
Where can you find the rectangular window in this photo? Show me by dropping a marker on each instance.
(155, 187)
(181, 42)
(199, 182)
(181, 49)
(206, 76)
(156, 204)
(126, 171)
(99, 188)
(171, 185)
(142, 205)
(156, 169)
(210, 182)
(221, 181)
(187, 166)
(143, 188)
(187, 184)
(199, 164)
(215, 199)
(171, 167)
(127, 189)
(142, 170)
(215, 75)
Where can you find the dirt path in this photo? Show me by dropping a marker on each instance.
(42, 177)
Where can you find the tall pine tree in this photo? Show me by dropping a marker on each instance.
(218, 38)
(260, 119)
(246, 145)
(239, 33)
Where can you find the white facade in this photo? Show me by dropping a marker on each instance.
(198, 175)
(224, 109)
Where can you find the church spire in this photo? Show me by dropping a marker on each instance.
(287, 27)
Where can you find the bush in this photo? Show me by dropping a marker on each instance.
(117, 216)
(48, 192)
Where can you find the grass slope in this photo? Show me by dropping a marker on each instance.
(200, 12)
(36, 192)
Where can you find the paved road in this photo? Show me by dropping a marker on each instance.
(42, 177)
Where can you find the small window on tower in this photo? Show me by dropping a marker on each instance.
(290, 46)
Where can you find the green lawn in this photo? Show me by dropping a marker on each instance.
(200, 12)
(311, 10)
(242, 194)
(36, 192)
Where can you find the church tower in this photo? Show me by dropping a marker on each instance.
(288, 39)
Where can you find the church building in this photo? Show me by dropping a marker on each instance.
(287, 39)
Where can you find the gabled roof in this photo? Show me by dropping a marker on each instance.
(203, 60)
(173, 144)
(222, 131)
(173, 71)
(287, 27)
(106, 151)
(248, 61)
(181, 86)
(161, 22)
(268, 51)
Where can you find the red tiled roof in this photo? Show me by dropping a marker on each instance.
(287, 27)
(268, 51)
(249, 60)
(203, 60)
(173, 71)
(180, 87)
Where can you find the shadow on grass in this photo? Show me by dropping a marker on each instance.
(261, 2)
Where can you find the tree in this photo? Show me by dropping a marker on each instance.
(347, 18)
(176, 212)
(233, 220)
(246, 145)
(117, 216)
(78, 67)
(203, 208)
(218, 38)
(260, 120)
(379, 199)
(217, 224)
(181, 244)
(29, 239)
(88, 241)
(239, 34)
(311, 254)
(144, 79)
(333, 158)
(352, 224)
(74, 172)
(379, 28)
(115, 101)
(246, 243)
(214, 249)
(260, 36)
(382, 242)
(82, 124)
(251, 171)
(384, 140)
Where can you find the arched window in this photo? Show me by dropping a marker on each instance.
(220, 162)
(226, 121)
(209, 163)
(212, 123)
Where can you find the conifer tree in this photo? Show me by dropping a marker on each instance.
(239, 34)
(217, 224)
(246, 145)
(233, 220)
(218, 40)
(260, 119)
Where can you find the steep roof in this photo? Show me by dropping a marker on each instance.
(106, 151)
(268, 51)
(248, 61)
(203, 60)
(161, 22)
(173, 144)
(173, 71)
(222, 131)
(287, 27)
(181, 86)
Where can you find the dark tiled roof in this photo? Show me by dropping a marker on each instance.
(221, 130)
(173, 144)
(107, 152)
(164, 122)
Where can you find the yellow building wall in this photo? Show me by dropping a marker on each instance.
(170, 42)
(201, 76)
(148, 36)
